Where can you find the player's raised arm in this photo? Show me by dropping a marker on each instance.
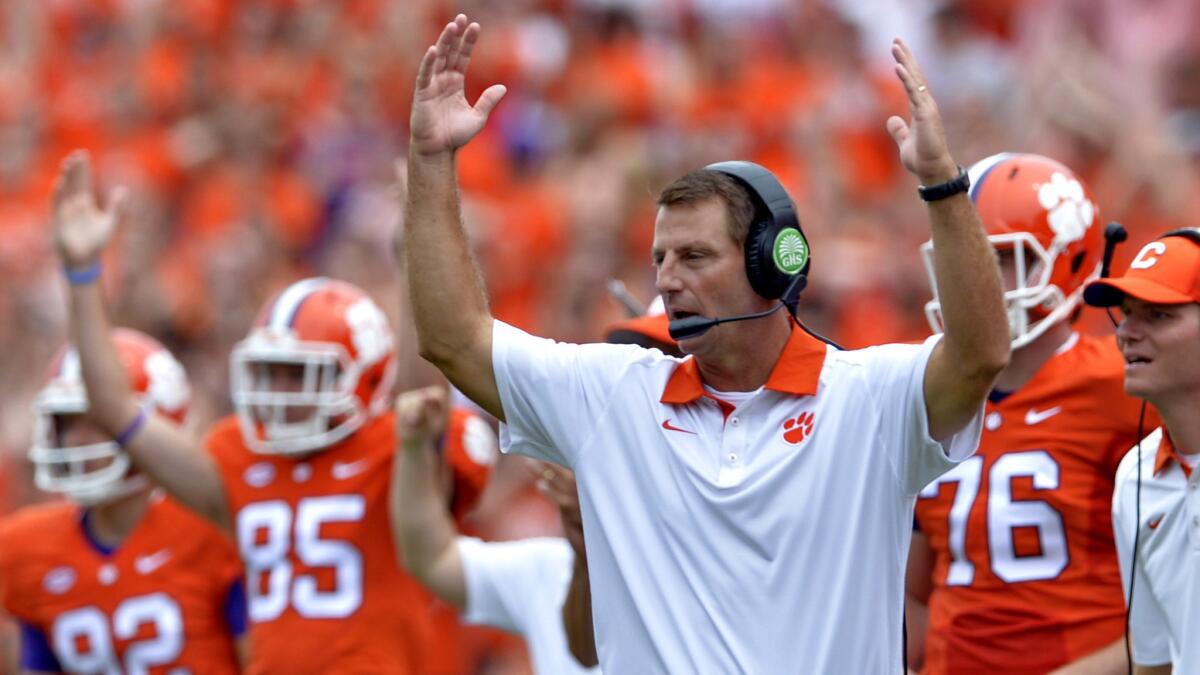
(167, 454)
(976, 346)
(421, 524)
(454, 325)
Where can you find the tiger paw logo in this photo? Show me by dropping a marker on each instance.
(1070, 212)
(798, 428)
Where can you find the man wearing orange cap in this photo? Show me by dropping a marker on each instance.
(1156, 502)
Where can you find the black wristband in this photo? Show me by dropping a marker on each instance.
(933, 193)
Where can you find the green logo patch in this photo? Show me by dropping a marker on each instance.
(790, 251)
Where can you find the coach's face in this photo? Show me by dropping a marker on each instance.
(702, 270)
(1160, 343)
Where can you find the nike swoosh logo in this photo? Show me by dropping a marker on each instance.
(344, 470)
(145, 564)
(1035, 416)
(669, 427)
(1153, 524)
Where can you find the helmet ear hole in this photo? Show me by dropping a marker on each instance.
(1077, 261)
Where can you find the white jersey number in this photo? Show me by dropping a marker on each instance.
(83, 641)
(1005, 515)
(264, 532)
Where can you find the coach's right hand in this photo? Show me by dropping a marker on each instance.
(81, 228)
(442, 119)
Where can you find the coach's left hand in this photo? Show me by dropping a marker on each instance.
(922, 141)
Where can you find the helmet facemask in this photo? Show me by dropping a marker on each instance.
(294, 397)
(88, 473)
(1032, 303)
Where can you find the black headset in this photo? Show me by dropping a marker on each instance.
(1192, 234)
(778, 257)
(776, 249)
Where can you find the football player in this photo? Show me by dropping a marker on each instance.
(117, 578)
(1013, 556)
(299, 474)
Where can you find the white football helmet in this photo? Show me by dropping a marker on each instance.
(99, 472)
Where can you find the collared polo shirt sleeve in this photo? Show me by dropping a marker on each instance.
(1148, 626)
(553, 393)
(897, 380)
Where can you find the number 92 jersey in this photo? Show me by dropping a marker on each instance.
(159, 603)
(1025, 576)
(325, 588)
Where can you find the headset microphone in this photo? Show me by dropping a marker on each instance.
(681, 329)
(1114, 234)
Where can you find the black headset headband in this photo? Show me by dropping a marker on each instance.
(1190, 233)
(774, 213)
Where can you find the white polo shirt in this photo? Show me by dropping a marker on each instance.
(1165, 617)
(770, 537)
(520, 586)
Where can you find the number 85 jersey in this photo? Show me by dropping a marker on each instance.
(1025, 576)
(325, 589)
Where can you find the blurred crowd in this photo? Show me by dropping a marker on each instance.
(259, 139)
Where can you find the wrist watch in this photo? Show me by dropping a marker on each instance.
(933, 193)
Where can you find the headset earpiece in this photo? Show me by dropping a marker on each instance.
(776, 249)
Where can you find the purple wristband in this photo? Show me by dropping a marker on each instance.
(85, 276)
(131, 430)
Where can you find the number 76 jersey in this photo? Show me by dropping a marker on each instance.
(324, 587)
(1025, 575)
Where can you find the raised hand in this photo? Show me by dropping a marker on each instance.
(81, 228)
(922, 142)
(421, 415)
(442, 119)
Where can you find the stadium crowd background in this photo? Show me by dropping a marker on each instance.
(259, 136)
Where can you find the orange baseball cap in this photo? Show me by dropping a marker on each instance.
(653, 327)
(649, 330)
(1165, 272)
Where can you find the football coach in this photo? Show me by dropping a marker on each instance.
(748, 508)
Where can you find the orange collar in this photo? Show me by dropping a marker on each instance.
(1168, 452)
(796, 372)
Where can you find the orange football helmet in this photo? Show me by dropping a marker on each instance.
(317, 364)
(97, 472)
(1039, 210)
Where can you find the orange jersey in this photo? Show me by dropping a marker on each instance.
(325, 588)
(156, 604)
(1025, 577)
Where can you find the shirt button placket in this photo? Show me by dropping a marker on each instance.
(731, 459)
